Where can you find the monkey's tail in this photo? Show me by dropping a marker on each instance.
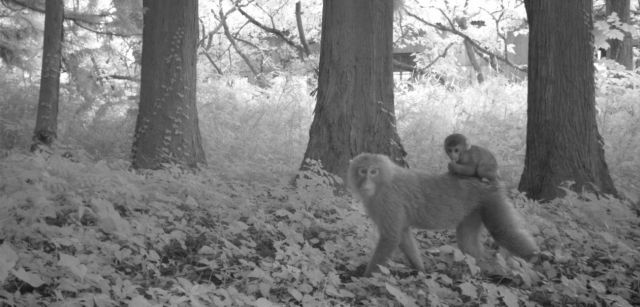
(506, 225)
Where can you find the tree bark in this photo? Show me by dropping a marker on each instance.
(621, 51)
(167, 125)
(47, 115)
(563, 142)
(354, 110)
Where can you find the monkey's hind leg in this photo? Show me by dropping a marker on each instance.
(488, 171)
(469, 235)
(409, 247)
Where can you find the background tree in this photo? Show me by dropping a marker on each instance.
(354, 111)
(621, 50)
(167, 124)
(47, 116)
(563, 142)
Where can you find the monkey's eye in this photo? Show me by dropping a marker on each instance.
(373, 172)
(362, 172)
(455, 150)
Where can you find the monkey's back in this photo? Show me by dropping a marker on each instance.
(427, 201)
(436, 201)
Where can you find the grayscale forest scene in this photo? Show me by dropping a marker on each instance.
(319, 153)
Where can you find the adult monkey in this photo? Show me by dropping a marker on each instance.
(397, 199)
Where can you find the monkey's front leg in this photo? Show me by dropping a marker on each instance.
(390, 228)
(461, 169)
(384, 249)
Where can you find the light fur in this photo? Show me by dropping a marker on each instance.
(470, 160)
(397, 199)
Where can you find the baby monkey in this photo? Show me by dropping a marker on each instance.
(474, 161)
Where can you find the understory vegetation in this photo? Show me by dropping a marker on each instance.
(80, 229)
(81, 233)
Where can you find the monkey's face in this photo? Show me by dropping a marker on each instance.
(368, 174)
(367, 178)
(454, 152)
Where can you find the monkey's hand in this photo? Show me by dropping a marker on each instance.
(451, 167)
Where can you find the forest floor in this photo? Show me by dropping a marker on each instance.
(79, 233)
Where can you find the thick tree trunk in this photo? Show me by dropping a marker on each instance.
(621, 51)
(563, 142)
(47, 116)
(354, 111)
(167, 125)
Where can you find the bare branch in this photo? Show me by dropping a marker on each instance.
(215, 29)
(441, 55)
(303, 40)
(68, 15)
(273, 31)
(497, 21)
(122, 77)
(213, 63)
(451, 24)
(81, 25)
(85, 21)
(466, 37)
(232, 41)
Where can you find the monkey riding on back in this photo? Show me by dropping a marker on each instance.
(470, 160)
